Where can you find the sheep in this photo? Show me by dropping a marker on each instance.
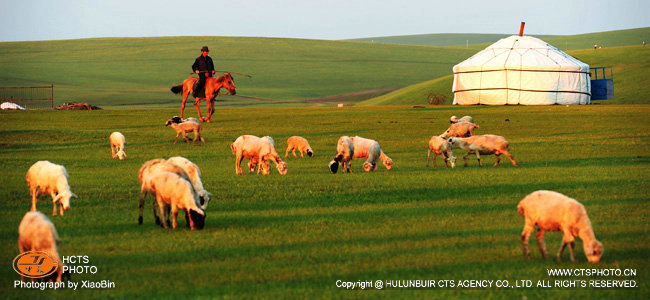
(440, 146)
(179, 194)
(44, 177)
(298, 143)
(146, 172)
(552, 211)
(344, 154)
(455, 119)
(253, 161)
(256, 150)
(369, 149)
(37, 233)
(460, 129)
(184, 127)
(483, 144)
(195, 178)
(117, 145)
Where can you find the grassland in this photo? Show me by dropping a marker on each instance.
(296, 235)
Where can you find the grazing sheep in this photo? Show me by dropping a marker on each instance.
(144, 176)
(184, 127)
(117, 145)
(37, 233)
(455, 119)
(552, 211)
(195, 178)
(179, 194)
(344, 154)
(460, 129)
(440, 146)
(483, 144)
(256, 150)
(44, 177)
(369, 149)
(298, 143)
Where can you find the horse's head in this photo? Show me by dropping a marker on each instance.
(229, 83)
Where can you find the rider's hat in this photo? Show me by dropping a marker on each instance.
(205, 48)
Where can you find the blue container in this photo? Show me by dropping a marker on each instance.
(602, 83)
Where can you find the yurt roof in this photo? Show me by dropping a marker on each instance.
(521, 53)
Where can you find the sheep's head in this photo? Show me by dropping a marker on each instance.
(310, 153)
(204, 199)
(333, 166)
(198, 218)
(452, 161)
(388, 163)
(174, 119)
(594, 251)
(64, 199)
(282, 167)
(453, 119)
(369, 167)
(121, 155)
(452, 141)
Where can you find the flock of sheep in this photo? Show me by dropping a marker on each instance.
(176, 184)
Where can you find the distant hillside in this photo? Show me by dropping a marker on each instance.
(631, 78)
(626, 37)
(119, 71)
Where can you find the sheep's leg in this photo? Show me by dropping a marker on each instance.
(201, 137)
(498, 156)
(478, 156)
(286, 153)
(54, 210)
(185, 137)
(196, 136)
(143, 195)
(514, 163)
(573, 254)
(176, 140)
(191, 222)
(465, 157)
(541, 244)
(113, 151)
(174, 216)
(61, 209)
(238, 164)
(525, 235)
(161, 211)
(34, 198)
(301, 154)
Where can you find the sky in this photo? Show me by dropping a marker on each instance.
(33, 20)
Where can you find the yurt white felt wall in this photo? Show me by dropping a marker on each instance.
(521, 70)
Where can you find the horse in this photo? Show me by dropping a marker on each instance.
(212, 87)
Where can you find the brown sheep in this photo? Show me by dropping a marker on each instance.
(483, 144)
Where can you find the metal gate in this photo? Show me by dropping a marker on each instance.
(31, 97)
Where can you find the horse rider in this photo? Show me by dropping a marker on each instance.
(204, 67)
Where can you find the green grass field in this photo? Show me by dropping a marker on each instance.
(296, 235)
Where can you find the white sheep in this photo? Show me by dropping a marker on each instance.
(370, 150)
(184, 127)
(455, 119)
(44, 177)
(256, 150)
(552, 211)
(460, 129)
(145, 173)
(117, 145)
(298, 143)
(483, 144)
(195, 178)
(177, 192)
(37, 233)
(344, 154)
(440, 146)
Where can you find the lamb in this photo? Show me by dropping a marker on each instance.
(195, 178)
(440, 146)
(179, 194)
(460, 129)
(117, 145)
(344, 154)
(37, 233)
(146, 172)
(44, 177)
(298, 143)
(552, 211)
(257, 150)
(455, 119)
(369, 149)
(483, 144)
(184, 127)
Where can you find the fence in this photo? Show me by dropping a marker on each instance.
(29, 97)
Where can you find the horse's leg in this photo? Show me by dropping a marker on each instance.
(197, 103)
(210, 108)
(185, 94)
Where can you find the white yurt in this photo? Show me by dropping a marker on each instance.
(521, 70)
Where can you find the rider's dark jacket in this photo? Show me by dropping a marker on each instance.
(203, 64)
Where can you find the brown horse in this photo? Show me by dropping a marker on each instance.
(212, 87)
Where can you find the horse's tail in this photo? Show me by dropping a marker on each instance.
(177, 89)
